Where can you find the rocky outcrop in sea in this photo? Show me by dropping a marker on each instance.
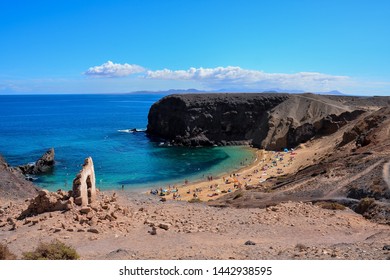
(42, 165)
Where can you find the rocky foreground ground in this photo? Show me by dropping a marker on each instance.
(136, 226)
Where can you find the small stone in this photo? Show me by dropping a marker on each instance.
(148, 222)
(386, 247)
(83, 221)
(57, 230)
(249, 242)
(92, 238)
(93, 221)
(153, 231)
(109, 217)
(90, 215)
(93, 230)
(85, 210)
(113, 214)
(95, 206)
(164, 226)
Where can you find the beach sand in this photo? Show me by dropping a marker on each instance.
(267, 164)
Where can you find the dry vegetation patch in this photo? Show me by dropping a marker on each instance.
(5, 254)
(56, 250)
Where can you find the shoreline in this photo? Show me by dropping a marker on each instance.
(199, 179)
(263, 166)
(266, 164)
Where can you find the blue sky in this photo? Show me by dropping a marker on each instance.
(123, 46)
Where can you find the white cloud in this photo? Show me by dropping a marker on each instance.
(237, 76)
(227, 77)
(110, 70)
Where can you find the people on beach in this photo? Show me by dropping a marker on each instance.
(271, 164)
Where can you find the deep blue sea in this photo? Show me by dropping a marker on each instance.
(78, 126)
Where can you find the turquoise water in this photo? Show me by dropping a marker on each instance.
(78, 126)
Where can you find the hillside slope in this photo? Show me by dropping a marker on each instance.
(13, 185)
(270, 121)
(350, 167)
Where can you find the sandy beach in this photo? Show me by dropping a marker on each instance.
(266, 164)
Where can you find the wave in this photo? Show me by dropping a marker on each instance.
(132, 130)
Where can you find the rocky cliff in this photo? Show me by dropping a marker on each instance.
(271, 121)
(211, 119)
(13, 184)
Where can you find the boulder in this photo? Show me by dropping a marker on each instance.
(47, 201)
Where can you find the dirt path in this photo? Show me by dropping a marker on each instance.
(345, 182)
(320, 101)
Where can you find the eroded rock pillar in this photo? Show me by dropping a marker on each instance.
(84, 185)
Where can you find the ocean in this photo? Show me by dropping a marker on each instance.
(96, 125)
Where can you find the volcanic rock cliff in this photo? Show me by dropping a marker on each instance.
(271, 121)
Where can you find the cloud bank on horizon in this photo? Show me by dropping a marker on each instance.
(229, 76)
